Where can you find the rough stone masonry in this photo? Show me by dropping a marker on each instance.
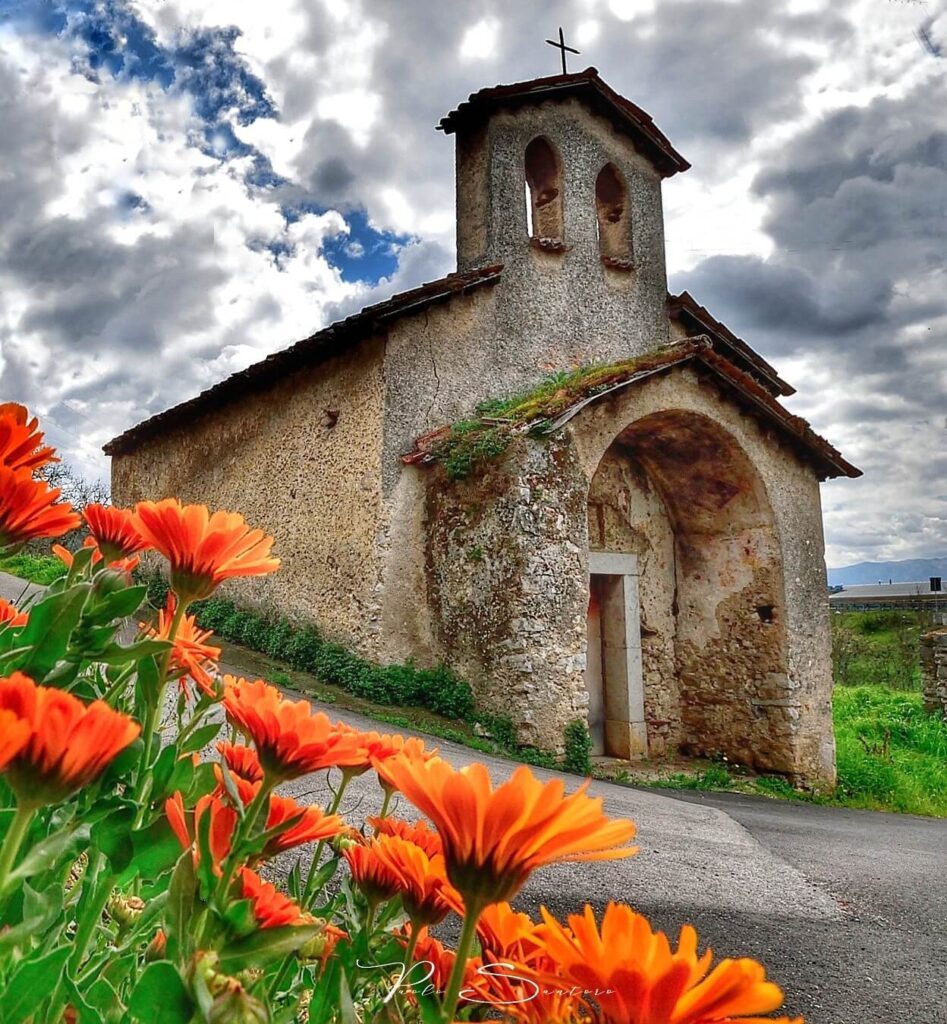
(628, 530)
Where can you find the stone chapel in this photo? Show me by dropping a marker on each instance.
(578, 491)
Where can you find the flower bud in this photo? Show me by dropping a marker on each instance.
(157, 948)
(124, 910)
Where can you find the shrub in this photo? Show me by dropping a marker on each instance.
(578, 756)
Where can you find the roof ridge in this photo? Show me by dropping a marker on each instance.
(272, 366)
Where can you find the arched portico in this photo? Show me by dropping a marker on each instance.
(687, 631)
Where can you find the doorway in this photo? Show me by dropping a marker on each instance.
(613, 674)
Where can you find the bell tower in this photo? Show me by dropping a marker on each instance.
(564, 167)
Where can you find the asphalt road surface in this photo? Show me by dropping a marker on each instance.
(847, 909)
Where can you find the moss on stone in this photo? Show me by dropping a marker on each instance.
(469, 443)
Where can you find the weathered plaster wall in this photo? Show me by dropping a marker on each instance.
(506, 576)
(789, 667)
(315, 487)
(627, 515)
(550, 310)
(738, 663)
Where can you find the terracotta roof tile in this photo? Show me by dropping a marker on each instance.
(586, 86)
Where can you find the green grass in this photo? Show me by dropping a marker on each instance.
(42, 569)
(470, 443)
(877, 648)
(892, 755)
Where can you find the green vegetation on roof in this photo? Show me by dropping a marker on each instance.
(496, 422)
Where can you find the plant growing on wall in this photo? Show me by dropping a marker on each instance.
(143, 804)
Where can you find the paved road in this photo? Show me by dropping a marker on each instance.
(848, 909)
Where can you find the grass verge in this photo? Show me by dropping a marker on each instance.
(891, 756)
(42, 569)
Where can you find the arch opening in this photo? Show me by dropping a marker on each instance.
(544, 185)
(613, 217)
(701, 657)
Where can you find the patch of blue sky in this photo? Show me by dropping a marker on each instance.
(363, 254)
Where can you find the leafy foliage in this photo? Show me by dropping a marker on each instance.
(578, 756)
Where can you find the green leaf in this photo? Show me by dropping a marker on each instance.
(149, 678)
(265, 946)
(31, 984)
(47, 633)
(156, 850)
(115, 654)
(160, 996)
(40, 910)
(57, 847)
(118, 604)
(347, 1014)
(181, 893)
(201, 737)
(240, 917)
(113, 836)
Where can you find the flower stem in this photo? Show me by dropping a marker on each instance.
(153, 714)
(467, 934)
(13, 840)
(383, 813)
(308, 891)
(244, 830)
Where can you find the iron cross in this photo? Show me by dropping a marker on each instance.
(561, 46)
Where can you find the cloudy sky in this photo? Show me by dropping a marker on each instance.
(188, 185)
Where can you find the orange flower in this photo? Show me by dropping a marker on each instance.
(519, 975)
(371, 874)
(417, 832)
(121, 565)
(495, 838)
(115, 530)
(14, 734)
(20, 442)
(69, 745)
(290, 739)
(270, 907)
(427, 895)
(508, 934)
(437, 963)
(638, 978)
(311, 825)
(191, 654)
(11, 616)
(411, 748)
(203, 549)
(186, 826)
(29, 509)
(241, 761)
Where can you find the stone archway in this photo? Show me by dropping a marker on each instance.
(676, 491)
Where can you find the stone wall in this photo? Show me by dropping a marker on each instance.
(301, 460)
(507, 585)
(782, 680)
(723, 520)
(933, 649)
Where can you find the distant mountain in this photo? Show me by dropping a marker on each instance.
(910, 570)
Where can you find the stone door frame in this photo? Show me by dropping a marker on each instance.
(626, 731)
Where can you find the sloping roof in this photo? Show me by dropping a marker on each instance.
(697, 320)
(322, 345)
(698, 352)
(586, 86)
